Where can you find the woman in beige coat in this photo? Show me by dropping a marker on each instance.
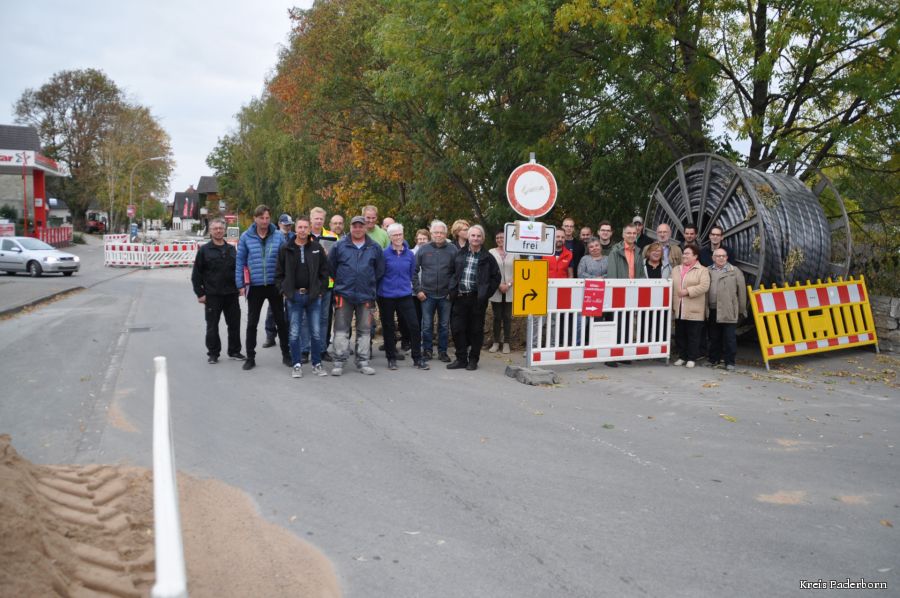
(690, 283)
(501, 302)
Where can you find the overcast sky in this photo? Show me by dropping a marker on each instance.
(194, 63)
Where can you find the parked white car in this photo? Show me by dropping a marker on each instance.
(24, 254)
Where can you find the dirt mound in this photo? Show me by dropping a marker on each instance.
(88, 530)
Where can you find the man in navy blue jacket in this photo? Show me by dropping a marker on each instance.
(257, 251)
(357, 264)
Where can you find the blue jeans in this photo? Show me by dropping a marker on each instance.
(442, 305)
(323, 325)
(304, 313)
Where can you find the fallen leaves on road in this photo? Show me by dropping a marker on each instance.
(711, 385)
(886, 523)
(607, 426)
(783, 497)
(728, 418)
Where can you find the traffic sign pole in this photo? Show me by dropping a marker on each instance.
(529, 329)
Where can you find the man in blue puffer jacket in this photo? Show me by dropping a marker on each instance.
(257, 251)
(357, 264)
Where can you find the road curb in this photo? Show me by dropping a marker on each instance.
(9, 311)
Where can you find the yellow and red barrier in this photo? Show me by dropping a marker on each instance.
(812, 318)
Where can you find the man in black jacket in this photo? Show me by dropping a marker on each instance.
(301, 274)
(475, 278)
(213, 280)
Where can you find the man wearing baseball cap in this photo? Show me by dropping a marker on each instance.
(356, 263)
(642, 239)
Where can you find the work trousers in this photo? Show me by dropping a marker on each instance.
(467, 324)
(214, 307)
(404, 308)
(344, 312)
(256, 296)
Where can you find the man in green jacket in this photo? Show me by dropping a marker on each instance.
(625, 260)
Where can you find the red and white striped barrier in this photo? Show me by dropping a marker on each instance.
(119, 238)
(58, 237)
(811, 298)
(636, 323)
(139, 255)
(171, 254)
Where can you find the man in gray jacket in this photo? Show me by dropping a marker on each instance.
(434, 268)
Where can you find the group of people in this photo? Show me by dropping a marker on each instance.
(312, 278)
(315, 279)
(709, 292)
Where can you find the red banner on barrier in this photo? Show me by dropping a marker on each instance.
(594, 291)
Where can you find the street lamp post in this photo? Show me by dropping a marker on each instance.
(131, 188)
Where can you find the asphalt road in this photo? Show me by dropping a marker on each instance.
(644, 480)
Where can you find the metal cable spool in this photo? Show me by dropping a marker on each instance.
(776, 226)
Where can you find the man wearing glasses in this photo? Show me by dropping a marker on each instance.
(715, 242)
(727, 303)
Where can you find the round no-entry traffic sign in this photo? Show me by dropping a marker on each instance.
(531, 190)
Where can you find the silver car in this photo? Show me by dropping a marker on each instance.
(24, 254)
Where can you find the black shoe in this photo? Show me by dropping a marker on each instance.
(422, 365)
(473, 365)
(212, 359)
(381, 347)
(326, 356)
(249, 364)
(401, 356)
(304, 357)
(239, 356)
(286, 360)
(392, 364)
(270, 342)
(456, 365)
(444, 357)
(611, 364)
(426, 355)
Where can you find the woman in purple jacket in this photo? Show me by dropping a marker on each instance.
(395, 296)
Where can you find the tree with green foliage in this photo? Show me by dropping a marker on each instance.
(134, 136)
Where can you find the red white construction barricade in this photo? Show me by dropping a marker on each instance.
(139, 255)
(171, 254)
(636, 323)
(131, 255)
(122, 238)
(58, 237)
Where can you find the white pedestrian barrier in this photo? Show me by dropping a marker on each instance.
(171, 578)
(636, 323)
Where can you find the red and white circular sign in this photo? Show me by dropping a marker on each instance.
(531, 190)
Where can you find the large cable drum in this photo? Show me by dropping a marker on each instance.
(776, 227)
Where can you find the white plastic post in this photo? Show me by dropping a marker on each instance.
(171, 579)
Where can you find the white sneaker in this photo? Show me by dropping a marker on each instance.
(494, 348)
(318, 370)
(680, 362)
(689, 364)
(337, 370)
(366, 369)
(506, 348)
(297, 372)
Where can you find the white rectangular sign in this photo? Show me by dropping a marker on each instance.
(530, 238)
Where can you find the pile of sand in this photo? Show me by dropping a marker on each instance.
(83, 530)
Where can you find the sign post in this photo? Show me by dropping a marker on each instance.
(531, 192)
